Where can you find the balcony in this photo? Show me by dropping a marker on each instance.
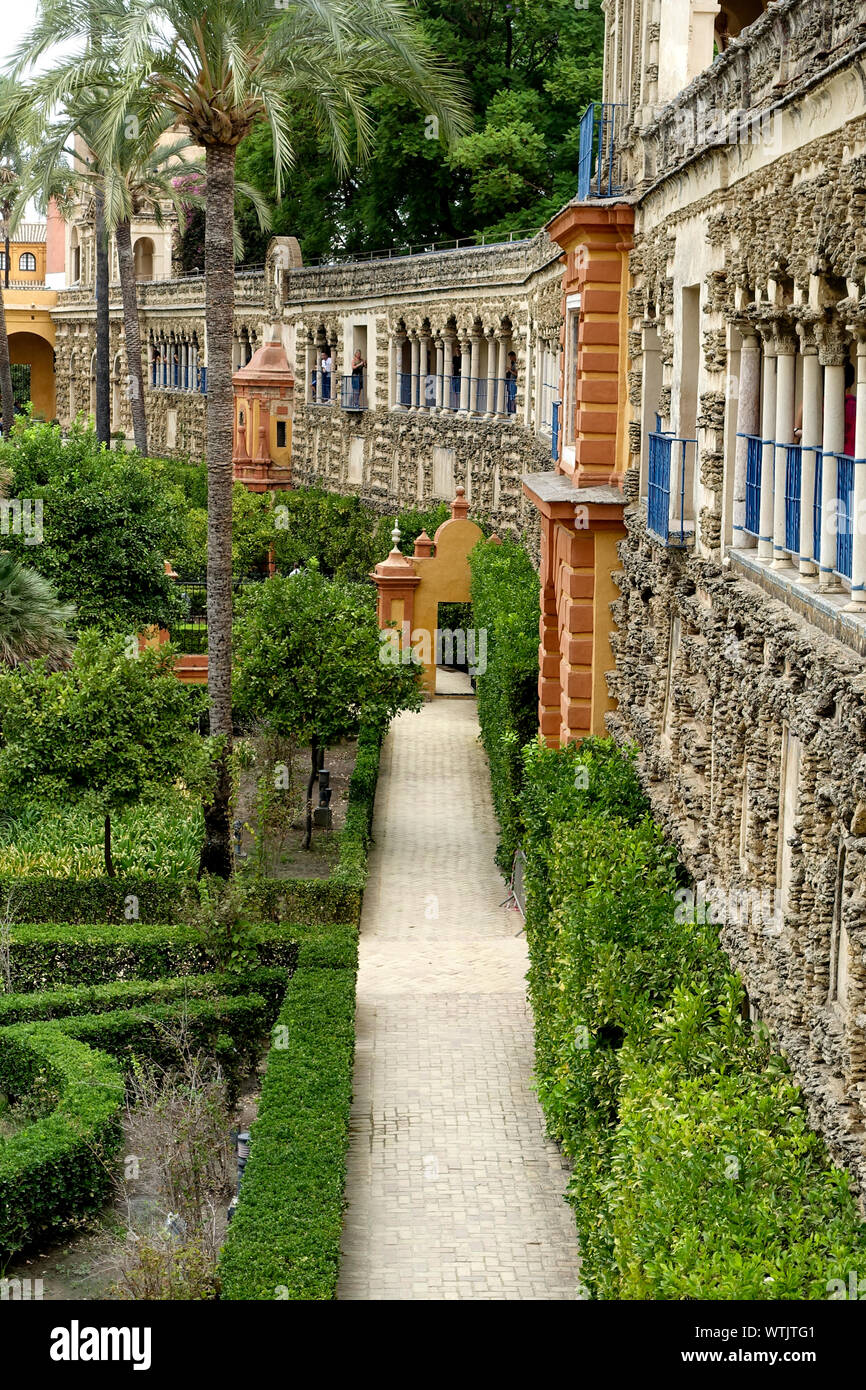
(669, 459)
(842, 526)
(353, 393)
(599, 170)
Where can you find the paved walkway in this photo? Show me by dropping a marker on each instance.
(453, 1190)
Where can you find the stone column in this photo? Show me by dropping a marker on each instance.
(397, 368)
(500, 374)
(491, 377)
(786, 347)
(768, 426)
(748, 422)
(414, 382)
(440, 374)
(858, 508)
(833, 355)
(465, 373)
(474, 369)
(309, 368)
(424, 401)
(810, 441)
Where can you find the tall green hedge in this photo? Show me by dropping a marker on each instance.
(695, 1174)
(59, 1168)
(284, 1241)
(505, 604)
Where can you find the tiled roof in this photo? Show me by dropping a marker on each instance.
(28, 232)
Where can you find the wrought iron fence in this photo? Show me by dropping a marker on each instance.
(599, 168)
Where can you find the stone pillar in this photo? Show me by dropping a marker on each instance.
(500, 408)
(440, 374)
(423, 357)
(414, 381)
(465, 373)
(309, 368)
(491, 376)
(833, 356)
(474, 369)
(783, 434)
(768, 426)
(858, 556)
(748, 422)
(810, 441)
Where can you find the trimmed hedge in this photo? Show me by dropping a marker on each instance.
(45, 956)
(231, 1029)
(284, 1240)
(505, 602)
(270, 983)
(695, 1174)
(59, 1168)
(163, 900)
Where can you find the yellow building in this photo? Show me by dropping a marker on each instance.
(28, 301)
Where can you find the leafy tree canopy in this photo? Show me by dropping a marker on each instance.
(109, 521)
(531, 66)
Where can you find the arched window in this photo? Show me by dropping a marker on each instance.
(27, 261)
(143, 252)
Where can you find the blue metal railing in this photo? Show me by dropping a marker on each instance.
(816, 505)
(669, 528)
(321, 388)
(353, 395)
(598, 168)
(793, 497)
(556, 410)
(844, 510)
(754, 456)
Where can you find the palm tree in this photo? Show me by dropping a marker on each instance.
(32, 618)
(220, 69)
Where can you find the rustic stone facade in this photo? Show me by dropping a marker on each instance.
(489, 299)
(738, 652)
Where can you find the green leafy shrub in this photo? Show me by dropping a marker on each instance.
(268, 981)
(695, 1174)
(284, 1240)
(58, 1169)
(50, 955)
(505, 603)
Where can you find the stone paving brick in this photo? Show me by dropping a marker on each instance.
(453, 1191)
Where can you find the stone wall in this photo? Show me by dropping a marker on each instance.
(390, 456)
(720, 687)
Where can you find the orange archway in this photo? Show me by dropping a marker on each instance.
(27, 349)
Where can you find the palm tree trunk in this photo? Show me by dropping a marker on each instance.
(132, 333)
(103, 341)
(6, 393)
(216, 856)
(314, 777)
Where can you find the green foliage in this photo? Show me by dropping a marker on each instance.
(334, 531)
(49, 956)
(64, 1002)
(307, 659)
(284, 1240)
(115, 729)
(531, 68)
(252, 534)
(155, 840)
(110, 520)
(505, 603)
(695, 1174)
(57, 1169)
(32, 619)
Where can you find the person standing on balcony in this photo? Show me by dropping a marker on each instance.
(511, 383)
(327, 368)
(358, 364)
